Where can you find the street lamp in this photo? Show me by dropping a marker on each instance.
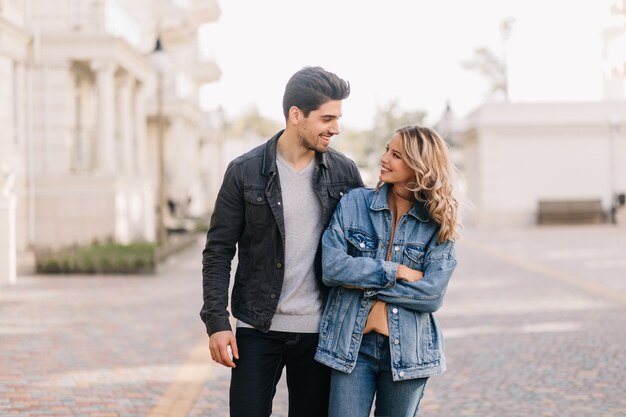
(161, 63)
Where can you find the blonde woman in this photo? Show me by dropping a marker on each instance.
(388, 255)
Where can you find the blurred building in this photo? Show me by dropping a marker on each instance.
(221, 146)
(614, 38)
(14, 50)
(527, 163)
(518, 155)
(79, 112)
(450, 127)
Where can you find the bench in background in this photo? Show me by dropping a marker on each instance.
(570, 212)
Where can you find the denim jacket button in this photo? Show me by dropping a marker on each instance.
(362, 245)
(279, 265)
(401, 374)
(394, 311)
(396, 342)
(397, 248)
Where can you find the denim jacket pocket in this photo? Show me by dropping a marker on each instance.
(421, 347)
(337, 328)
(361, 244)
(414, 257)
(330, 314)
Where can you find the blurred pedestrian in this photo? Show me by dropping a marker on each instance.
(389, 255)
(273, 206)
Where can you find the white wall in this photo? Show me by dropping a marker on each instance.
(519, 154)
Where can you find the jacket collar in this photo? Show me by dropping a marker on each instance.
(269, 156)
(379, 203)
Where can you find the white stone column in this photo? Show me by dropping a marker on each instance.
(141, 136)
(126, 112)
(105, 149)
(20, 103)
(8, 243)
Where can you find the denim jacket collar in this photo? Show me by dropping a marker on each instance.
(379, 202)
(269, 156)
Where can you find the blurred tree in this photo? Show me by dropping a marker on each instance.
(492, 66)
(252, 122)
(366, 146)
(388, 119)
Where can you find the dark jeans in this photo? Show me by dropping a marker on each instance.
(262, 357)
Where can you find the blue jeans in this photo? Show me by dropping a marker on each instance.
(262, 357)
(351, 395)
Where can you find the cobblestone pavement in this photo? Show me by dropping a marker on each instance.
(534, 319)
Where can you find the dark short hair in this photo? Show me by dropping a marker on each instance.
(311, 87)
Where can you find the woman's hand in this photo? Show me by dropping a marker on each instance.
(405, 273)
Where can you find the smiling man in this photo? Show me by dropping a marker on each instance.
(274, 204)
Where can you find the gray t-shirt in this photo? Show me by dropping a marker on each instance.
(300, 305)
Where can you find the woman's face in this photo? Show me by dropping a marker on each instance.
(393, 168)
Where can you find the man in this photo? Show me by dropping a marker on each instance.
(274, 204)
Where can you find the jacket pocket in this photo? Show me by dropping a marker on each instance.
(414, 256)
(361, 244)
(419, 339)
(335, 193)
(258, 210)
(337, 329)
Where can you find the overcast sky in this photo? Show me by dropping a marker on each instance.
(409, 50)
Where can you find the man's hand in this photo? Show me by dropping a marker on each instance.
(407, 274)
(219, 343)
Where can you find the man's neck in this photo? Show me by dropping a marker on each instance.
(291, 149)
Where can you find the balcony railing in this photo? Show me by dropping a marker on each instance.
(109, 16)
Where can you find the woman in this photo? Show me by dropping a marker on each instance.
(388, 253)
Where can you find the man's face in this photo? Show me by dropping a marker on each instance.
(316, 130)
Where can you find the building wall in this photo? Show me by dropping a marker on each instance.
(93, 94)
(13, 52)
(519, 154)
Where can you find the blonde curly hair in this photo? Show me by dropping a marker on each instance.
(426, 154)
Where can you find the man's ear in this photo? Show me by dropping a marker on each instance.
(295, 115)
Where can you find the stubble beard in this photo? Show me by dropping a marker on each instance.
(307, 143)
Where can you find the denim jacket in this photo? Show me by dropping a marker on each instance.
(354, 252)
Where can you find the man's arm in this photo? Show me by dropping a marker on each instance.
(227, 224)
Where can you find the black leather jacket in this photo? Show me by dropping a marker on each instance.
(248, 215)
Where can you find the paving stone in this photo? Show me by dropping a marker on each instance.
(534, 324)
